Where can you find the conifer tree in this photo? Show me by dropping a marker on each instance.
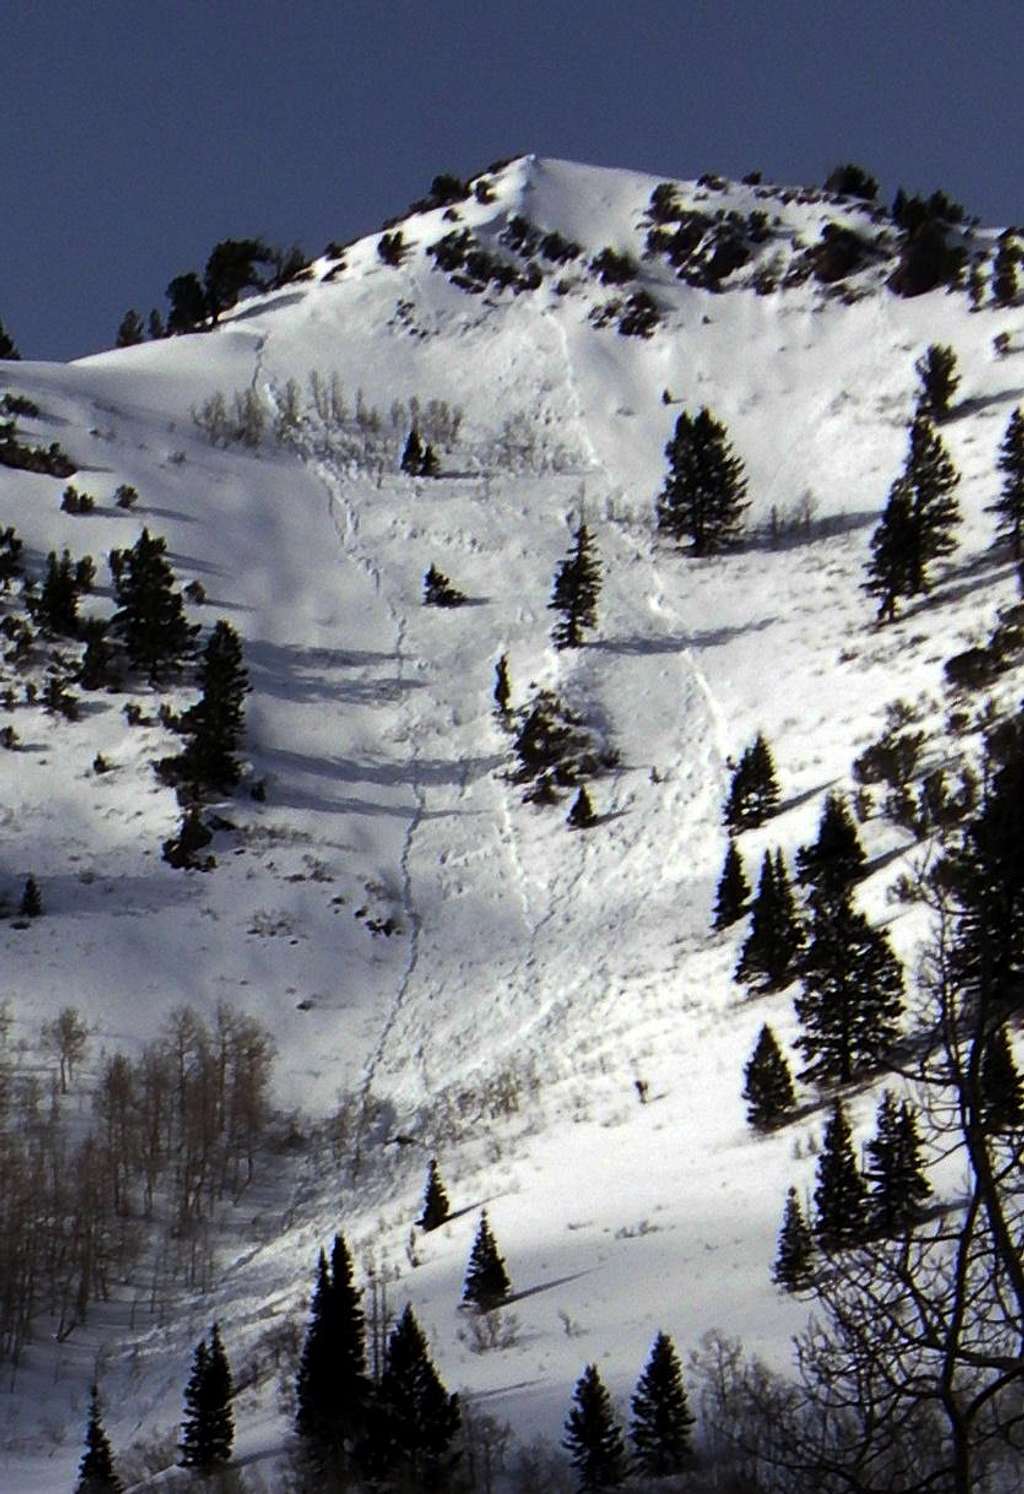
(131, 330)
(581, 814)
(31, 905)
(936, 368)
(430, 466)
(768, 958)
(208, 1428)
(435, 1200)
(660, 1428)
(150, 617)
(7, 349)
(194, 1451)
(412, 455)
(1010, 505)
(768, 1084)
(895, 1170)
(703, 497)
(892, 545)
(840, 1197)
(733, 890)
(592, 1436)
(332, 1387)
(438, 591)
(794, 1257)
(502, 690)
(1001, 1090)
(576, 589)
(829, 867)
(215, 724)
(754, 791)
(852, 997)
(414, 1421)
(1005, 285)
(487, 1284)
(56, 607)
(918, 523)
(96, 1471)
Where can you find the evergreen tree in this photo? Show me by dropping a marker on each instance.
(150, 617)
(660, 1429)
(96, 1471)
(155, 326)
(768, 1084)
(231, 269)
(576, 589)
(1010, 505)
(96, 671)
(733, 890)
(131, 330)
(7, 349)
(414, 1420)
(1004, 273)
(754, 790)
(216, 723)
(438, 591)
(1002, 1094)
(592, 1436)
(852, 996)
(332, 1386)
(768, 958)
(31, 905)
(189, 308)
(435, 1200)
(208, 1427)
(794, 1257)
(193, 1447)
(840, 1198)
(487, 1284)
(895, 1170)
(936, 368)
(430, 466)
(703, 497)
(502, 690)
(56, 608)
(830, 866)
(581, 815)
(892, 545)
(917, 526)
(412, 455)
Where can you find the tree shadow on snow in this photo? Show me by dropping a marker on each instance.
(795, 800)
(979, 402)
(544, 1286)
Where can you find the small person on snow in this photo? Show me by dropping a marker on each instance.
(641, 1089)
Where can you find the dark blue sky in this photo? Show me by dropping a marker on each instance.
(136, 133)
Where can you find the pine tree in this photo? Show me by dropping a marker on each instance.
(754, 791)
(435, 1200)
(829, 867)
(56, 607)
(794, 1257)
(840, 1198)
(892, 545)
(131, 330)
(936, 368)
(581, 815)
(592, 1436)
(768, 958)
(733, 890)
(208, 1427)
(438, 591)
(31, 905)
(430, 466)
(932, 479)
(660, 1429)
(412, 455)
(216, 723)
(7, 349)
(703, 497)
(1001, 1090)
(194, 1451)
(414, 1420)
(852, 996)
(576, 589)
(1005, 286)
(1010, 505)
(487, 1284)
(895, 1170)
(502, 690)
(96, 1471)
(768, 1084)
(332, 1386)
(150, 617)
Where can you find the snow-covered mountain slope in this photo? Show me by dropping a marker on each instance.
(525, 959)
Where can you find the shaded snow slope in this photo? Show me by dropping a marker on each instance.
(576, 961)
